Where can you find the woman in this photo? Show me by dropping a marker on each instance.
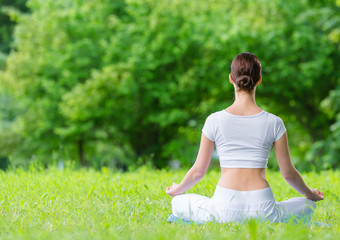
(244, 135)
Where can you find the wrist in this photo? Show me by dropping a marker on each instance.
(309, 193)
(178, 190)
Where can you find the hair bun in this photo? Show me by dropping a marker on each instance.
(245, 82)
(246, 71)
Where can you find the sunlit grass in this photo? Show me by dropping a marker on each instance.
(85, 204)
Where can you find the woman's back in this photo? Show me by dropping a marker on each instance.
(243, 144)
(243, 179)
(243, 141)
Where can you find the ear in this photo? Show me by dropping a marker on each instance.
(230, 80)
(259, 82)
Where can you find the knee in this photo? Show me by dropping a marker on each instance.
(181, 203)
(310, 205)
(177, 203)
(306, 204)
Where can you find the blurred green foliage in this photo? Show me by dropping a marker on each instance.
(10, 137)
(116, 83)
(9, 9)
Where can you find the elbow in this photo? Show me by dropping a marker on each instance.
(287, 175)
(198, 173)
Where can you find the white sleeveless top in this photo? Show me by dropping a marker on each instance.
(243, 141)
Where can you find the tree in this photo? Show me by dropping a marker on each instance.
(327, 150)
(8, 11)
(140, 77)
(10, 137)
(66, 45)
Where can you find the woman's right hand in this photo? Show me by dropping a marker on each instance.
(315, 195)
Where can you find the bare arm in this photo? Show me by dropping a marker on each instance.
(197, 171)
(289, 172)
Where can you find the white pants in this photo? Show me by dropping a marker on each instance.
(236, 206)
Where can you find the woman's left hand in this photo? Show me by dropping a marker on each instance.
(172, 190)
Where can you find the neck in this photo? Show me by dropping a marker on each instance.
(244, 99)
(244, 104)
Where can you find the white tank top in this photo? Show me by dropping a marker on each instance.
(243, 141)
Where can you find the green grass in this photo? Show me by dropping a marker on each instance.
(85, 204)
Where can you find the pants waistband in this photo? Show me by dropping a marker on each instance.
(244, 197)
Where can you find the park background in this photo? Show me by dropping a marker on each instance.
(127, 83)
(102, 103)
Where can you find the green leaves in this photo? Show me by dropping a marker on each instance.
(137, 73)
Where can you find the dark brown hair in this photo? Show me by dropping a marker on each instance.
(246, 71)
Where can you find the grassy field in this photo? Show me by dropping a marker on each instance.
(84, 204)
